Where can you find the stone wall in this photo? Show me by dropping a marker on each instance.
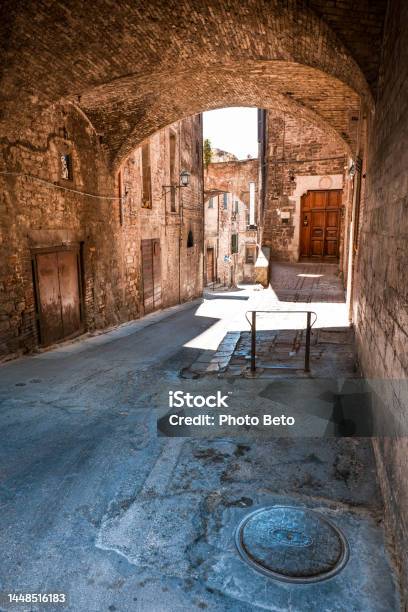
(39, 210)
(380, 294)
(181, 265)
(232, 179)
(36, 214)
(299, 157)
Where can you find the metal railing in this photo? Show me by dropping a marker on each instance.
(309, 326)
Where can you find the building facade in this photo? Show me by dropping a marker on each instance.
(231, 221)
(83, 247)
(305, 190)
(162, 223)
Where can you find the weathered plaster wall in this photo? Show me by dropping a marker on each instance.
(233, 178)
(381, 291)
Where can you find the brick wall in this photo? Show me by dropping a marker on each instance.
(380, 296)
(35, 214)
(299, 156)
(181, 266)
(250, 54)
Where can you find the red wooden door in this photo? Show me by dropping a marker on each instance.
(320, 224)
(318, 218)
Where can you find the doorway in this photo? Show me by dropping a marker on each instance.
(151, 273)
(320, 224)
(210, 266)
(57, 281)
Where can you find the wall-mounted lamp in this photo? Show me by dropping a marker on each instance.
(184, 178)
(184, 182)
(352, 169)
(355, 166)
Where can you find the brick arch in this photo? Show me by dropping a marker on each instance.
(125, 62)
(315, 97)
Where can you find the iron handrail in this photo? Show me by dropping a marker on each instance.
(309, 326)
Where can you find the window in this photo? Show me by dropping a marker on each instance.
(198, 151)
(234, 243)
(236, 207)
(250, 254)
(211, 203)
(146, 177)
(66, 167)
(190, 240)
(225, 201)
(173, 147)
(120, 195)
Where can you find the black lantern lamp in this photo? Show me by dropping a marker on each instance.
(184, 181)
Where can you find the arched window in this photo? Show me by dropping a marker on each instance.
(190, 239)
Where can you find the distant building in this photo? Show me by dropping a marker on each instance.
(218, 155)
(231, 221)
(304, 193)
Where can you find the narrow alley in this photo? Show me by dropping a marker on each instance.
(100, 507)
(204, 306)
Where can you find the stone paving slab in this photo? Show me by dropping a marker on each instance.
(331, 353)
(281, 351)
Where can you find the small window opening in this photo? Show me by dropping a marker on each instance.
(173, 178)
(190, 240)
(66, 167)
(250, 255)
(146, 177)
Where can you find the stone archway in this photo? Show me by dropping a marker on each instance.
(136, 68)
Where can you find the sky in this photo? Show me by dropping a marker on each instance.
(233, 129)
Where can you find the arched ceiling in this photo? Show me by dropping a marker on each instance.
(135, 66)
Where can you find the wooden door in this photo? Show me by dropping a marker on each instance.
(147, 275)
(320, 224)
(58, 295)
(157, 289)
(210, 266)
(49, 301)
(151, 273)
(317, 224)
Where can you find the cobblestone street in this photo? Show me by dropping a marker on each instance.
(280, 338)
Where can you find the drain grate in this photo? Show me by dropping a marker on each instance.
(292, 544)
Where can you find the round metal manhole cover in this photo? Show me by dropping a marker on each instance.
(292, 544)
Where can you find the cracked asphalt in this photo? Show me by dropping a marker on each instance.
(95, 504)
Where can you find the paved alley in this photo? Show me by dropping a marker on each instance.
(97, 505)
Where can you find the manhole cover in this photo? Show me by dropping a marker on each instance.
(292, 544)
